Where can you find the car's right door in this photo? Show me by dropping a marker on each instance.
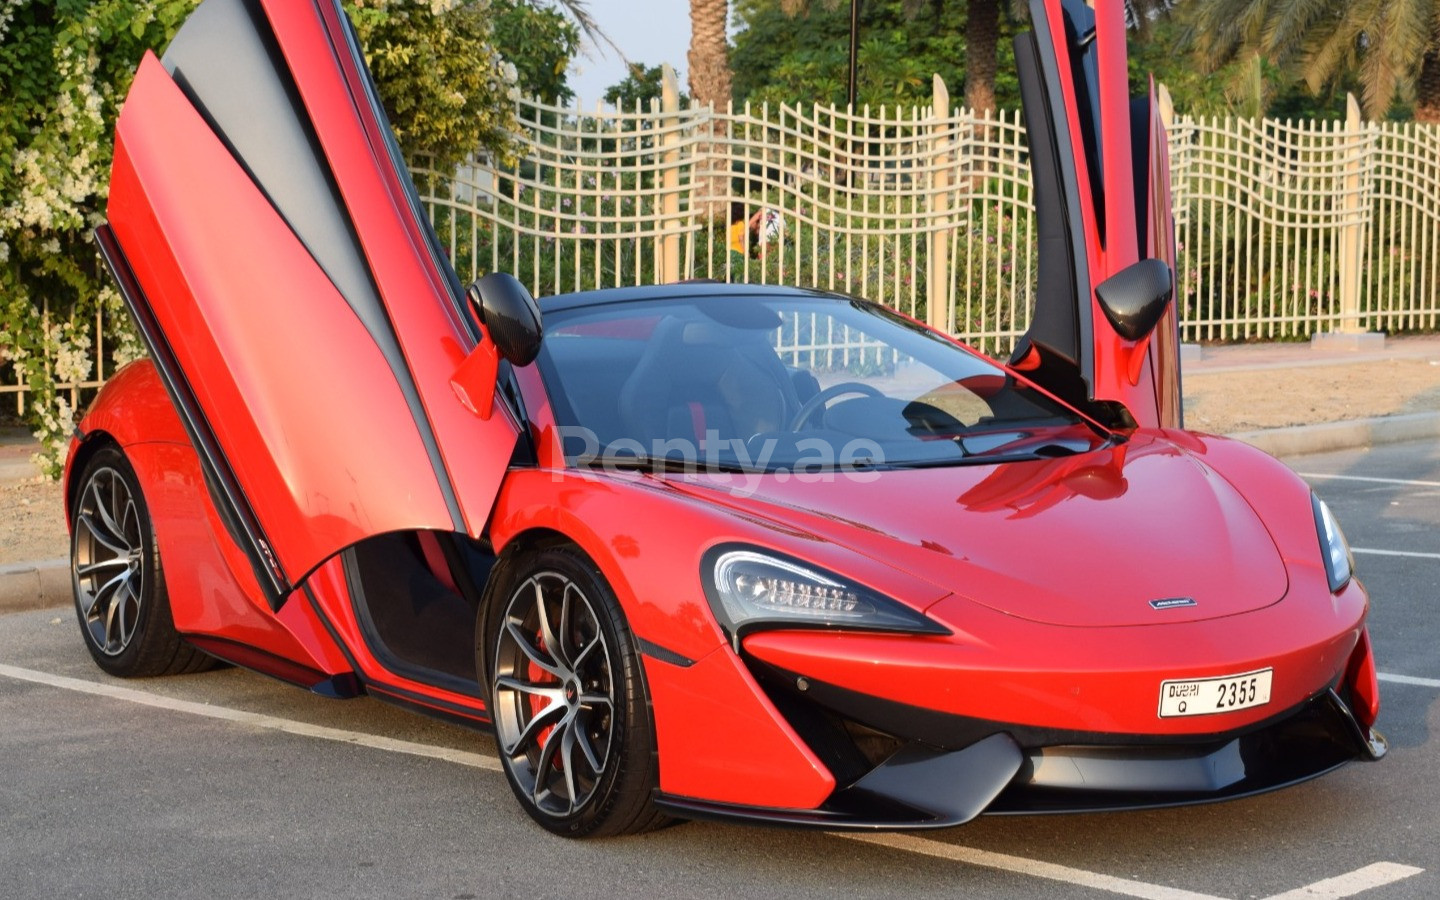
(1102, 195)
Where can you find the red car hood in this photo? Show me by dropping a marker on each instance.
(1088, 540)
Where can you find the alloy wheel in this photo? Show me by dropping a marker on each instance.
(554, 691)
(107, 563)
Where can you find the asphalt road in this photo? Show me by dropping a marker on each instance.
(228, 784)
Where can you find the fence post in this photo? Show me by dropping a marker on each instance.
(1352, 223)
(670, 176)
(937, 278)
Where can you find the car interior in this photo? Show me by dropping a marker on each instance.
(416, 596)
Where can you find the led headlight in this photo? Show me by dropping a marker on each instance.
(748, 588)
(1339, 563)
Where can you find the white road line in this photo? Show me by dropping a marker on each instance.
(1371, 876)
(1020, 865)
(1406, 553)
(1351, 883)
(1409, 679)
(1371, 480)
(258, 720)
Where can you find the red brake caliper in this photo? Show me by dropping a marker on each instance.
(536, 675)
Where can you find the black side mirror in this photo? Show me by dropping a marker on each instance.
(509, 314)
(1135, 298)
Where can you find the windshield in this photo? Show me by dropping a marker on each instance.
(785, 383)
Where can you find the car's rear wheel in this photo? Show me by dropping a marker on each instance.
(115, 572)
(572, 718)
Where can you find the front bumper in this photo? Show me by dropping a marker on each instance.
(920, 786)
(896, 765)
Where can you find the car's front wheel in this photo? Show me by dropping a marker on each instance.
(567, 693)
(115, 572)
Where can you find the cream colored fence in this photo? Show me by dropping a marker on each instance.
(1289, 228)
(922, 209)
(1284, 228)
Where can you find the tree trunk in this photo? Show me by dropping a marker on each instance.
(982, 33)
(1427, 86)
(710, 86)
(709, 61)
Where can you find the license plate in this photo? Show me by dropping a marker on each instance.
(1207, 696)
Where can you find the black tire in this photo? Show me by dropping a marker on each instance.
(573, 724)
(115, 573)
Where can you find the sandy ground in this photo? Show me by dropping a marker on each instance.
(1229, 401)
(32, 523)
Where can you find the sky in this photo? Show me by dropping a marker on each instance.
(648, 31)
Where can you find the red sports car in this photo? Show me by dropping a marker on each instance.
(700, 549)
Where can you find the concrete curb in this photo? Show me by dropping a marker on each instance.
(34, 585)
(1302, 439)
(46, 583)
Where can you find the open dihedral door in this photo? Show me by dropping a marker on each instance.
(268, 239)
(1102, 201)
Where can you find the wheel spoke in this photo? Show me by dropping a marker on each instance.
(114, 562)
(547, 634)
(109, 540)
(594, 700)
(132, 514)
(550, 692)
(87, 606)
(582, 738)
(542, 767)
(567, 752)
(533, 727)
(110, 587)
(586, 651)
(122, 617)
(102, 506)
(566, 644)
(110, 611)
(522, 641)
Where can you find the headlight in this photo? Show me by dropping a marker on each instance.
(749, 588)
(1339, 563)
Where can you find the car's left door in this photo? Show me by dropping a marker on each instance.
(267, 237)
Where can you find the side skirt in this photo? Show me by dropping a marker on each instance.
(345, 686)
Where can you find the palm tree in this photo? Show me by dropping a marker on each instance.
(1388, 43)
(709, 52)
(982, 34)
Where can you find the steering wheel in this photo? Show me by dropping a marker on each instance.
(817, 402)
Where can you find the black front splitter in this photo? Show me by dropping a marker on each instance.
(918, 787)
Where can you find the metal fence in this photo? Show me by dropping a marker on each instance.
(1284, 228)
(918, 208)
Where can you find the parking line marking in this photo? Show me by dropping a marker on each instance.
(258, 720)
(1407, 481)
(1351, 883)
(1406, 553)
(1371, 876)
(1408, 679)
(1023, 866)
